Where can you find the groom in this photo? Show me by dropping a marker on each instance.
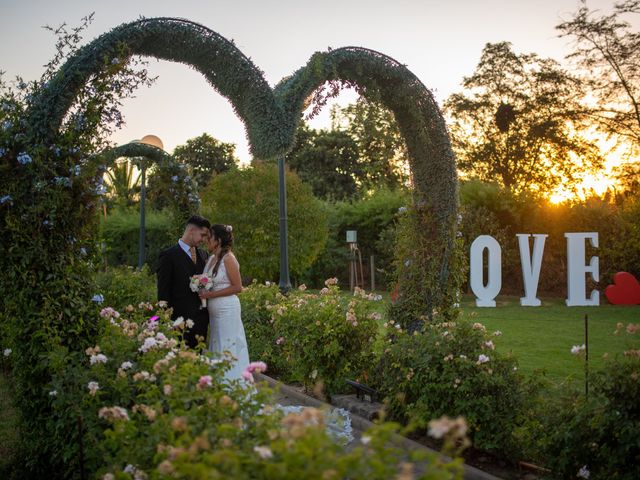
(177, 265)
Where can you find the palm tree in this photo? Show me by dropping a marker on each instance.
(122, 182)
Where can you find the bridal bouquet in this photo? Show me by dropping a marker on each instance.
(199, 283)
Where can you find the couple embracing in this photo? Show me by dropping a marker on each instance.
(221, 318)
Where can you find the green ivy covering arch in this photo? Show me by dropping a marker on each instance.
(271, 118)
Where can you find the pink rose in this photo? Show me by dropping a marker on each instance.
(205, 381)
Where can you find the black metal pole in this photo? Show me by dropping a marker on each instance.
(143, 191)
(586, 356)
(285, 282)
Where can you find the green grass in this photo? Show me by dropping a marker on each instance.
(541, 337)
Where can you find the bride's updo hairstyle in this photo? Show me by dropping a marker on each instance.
(224, 235)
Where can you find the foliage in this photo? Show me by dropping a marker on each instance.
(518, 123)
(123, 286)
(326, 160)
(178, 191)
(121, 233)
(374, 217)
(138, 404)
(600, 433)
(452, 368)
(382, 150)
(422, 297)
(248, 200)
(123, 183)
(205, 156)
(605, 51)
(315, 339)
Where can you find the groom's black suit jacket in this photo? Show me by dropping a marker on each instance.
(174, 273)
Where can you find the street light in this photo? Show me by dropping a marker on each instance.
(155, 142)
(285, 282)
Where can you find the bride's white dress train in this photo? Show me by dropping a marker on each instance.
(226, 333)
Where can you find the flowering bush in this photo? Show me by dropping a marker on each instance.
(139, 405)
(599, 435)
(453, 368)
(312, 338)
(122, 286)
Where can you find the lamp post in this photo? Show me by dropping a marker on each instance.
(156, 142)
(285, 282)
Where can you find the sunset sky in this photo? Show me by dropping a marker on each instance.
(440, 41)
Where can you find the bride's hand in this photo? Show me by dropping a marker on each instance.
(203, 294)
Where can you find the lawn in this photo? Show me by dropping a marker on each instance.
(541, 337)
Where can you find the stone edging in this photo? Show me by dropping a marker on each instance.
(362, 424)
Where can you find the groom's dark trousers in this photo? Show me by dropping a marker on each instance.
(174, 273)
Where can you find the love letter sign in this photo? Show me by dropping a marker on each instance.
(531, 262)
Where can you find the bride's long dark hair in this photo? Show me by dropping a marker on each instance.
(224, 235)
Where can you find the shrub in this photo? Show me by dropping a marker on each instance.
(137, 404)
(248, 200)
(599, 434)
(374, 218)
(121, 234)
(312, 338)
(122, 286)
(452, 369)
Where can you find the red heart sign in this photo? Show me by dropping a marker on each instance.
(624, 291)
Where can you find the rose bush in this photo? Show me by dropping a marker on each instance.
(139, 404)
(453, 368)
(313, 338)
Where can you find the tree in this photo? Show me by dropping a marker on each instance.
(123, 184)
(606, 50)
(205, 157)
(518, 123)
(382, 148)
(327, 161)
(247, 199)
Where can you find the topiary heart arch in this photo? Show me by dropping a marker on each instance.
(271, 118)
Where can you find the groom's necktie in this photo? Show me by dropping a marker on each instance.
(192, 250)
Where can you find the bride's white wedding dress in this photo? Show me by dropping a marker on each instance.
(226, 332)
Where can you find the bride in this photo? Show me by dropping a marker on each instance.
(226, 332)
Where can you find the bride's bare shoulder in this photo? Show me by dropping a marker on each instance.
(230, 257)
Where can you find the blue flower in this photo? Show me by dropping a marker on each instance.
(24, 158)
(100, 189)
(6, 199)
(47, 223)
(6, 125)
(98, 298)
(75, 170)
(22, 85)
(174, 178)
(83, 251)
(2, 152)
(64, 181)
